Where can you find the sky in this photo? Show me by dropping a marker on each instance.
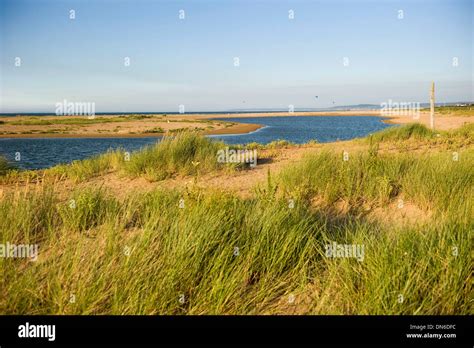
(343, 52)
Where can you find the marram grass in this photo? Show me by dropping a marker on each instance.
(185, 153)
(459, 137)
(209, 252)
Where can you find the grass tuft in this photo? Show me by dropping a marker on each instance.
(185, 153)
(5, 166)
(412, 131)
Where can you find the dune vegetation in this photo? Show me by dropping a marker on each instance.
(5, 167)
(209, 251)
(459, 137)
(40, 121)
(453, 110)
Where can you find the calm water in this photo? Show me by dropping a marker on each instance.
(301, 129)
(43, 153)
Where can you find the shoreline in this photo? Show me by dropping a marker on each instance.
(288, 114)
(442, 122)
(241, 128)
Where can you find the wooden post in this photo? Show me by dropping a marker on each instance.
(432, 105)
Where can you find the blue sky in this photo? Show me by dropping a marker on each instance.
(191, 61)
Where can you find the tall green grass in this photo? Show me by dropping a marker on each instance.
(208, 252)
(462, 136)
(185, 153)
(411, 131)
(438, 181)
(88, 168)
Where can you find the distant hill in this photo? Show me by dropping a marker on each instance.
(332, 108)
(342, 107)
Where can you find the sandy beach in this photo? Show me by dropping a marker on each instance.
(114, 126)
(119, 126)
(442, 122)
